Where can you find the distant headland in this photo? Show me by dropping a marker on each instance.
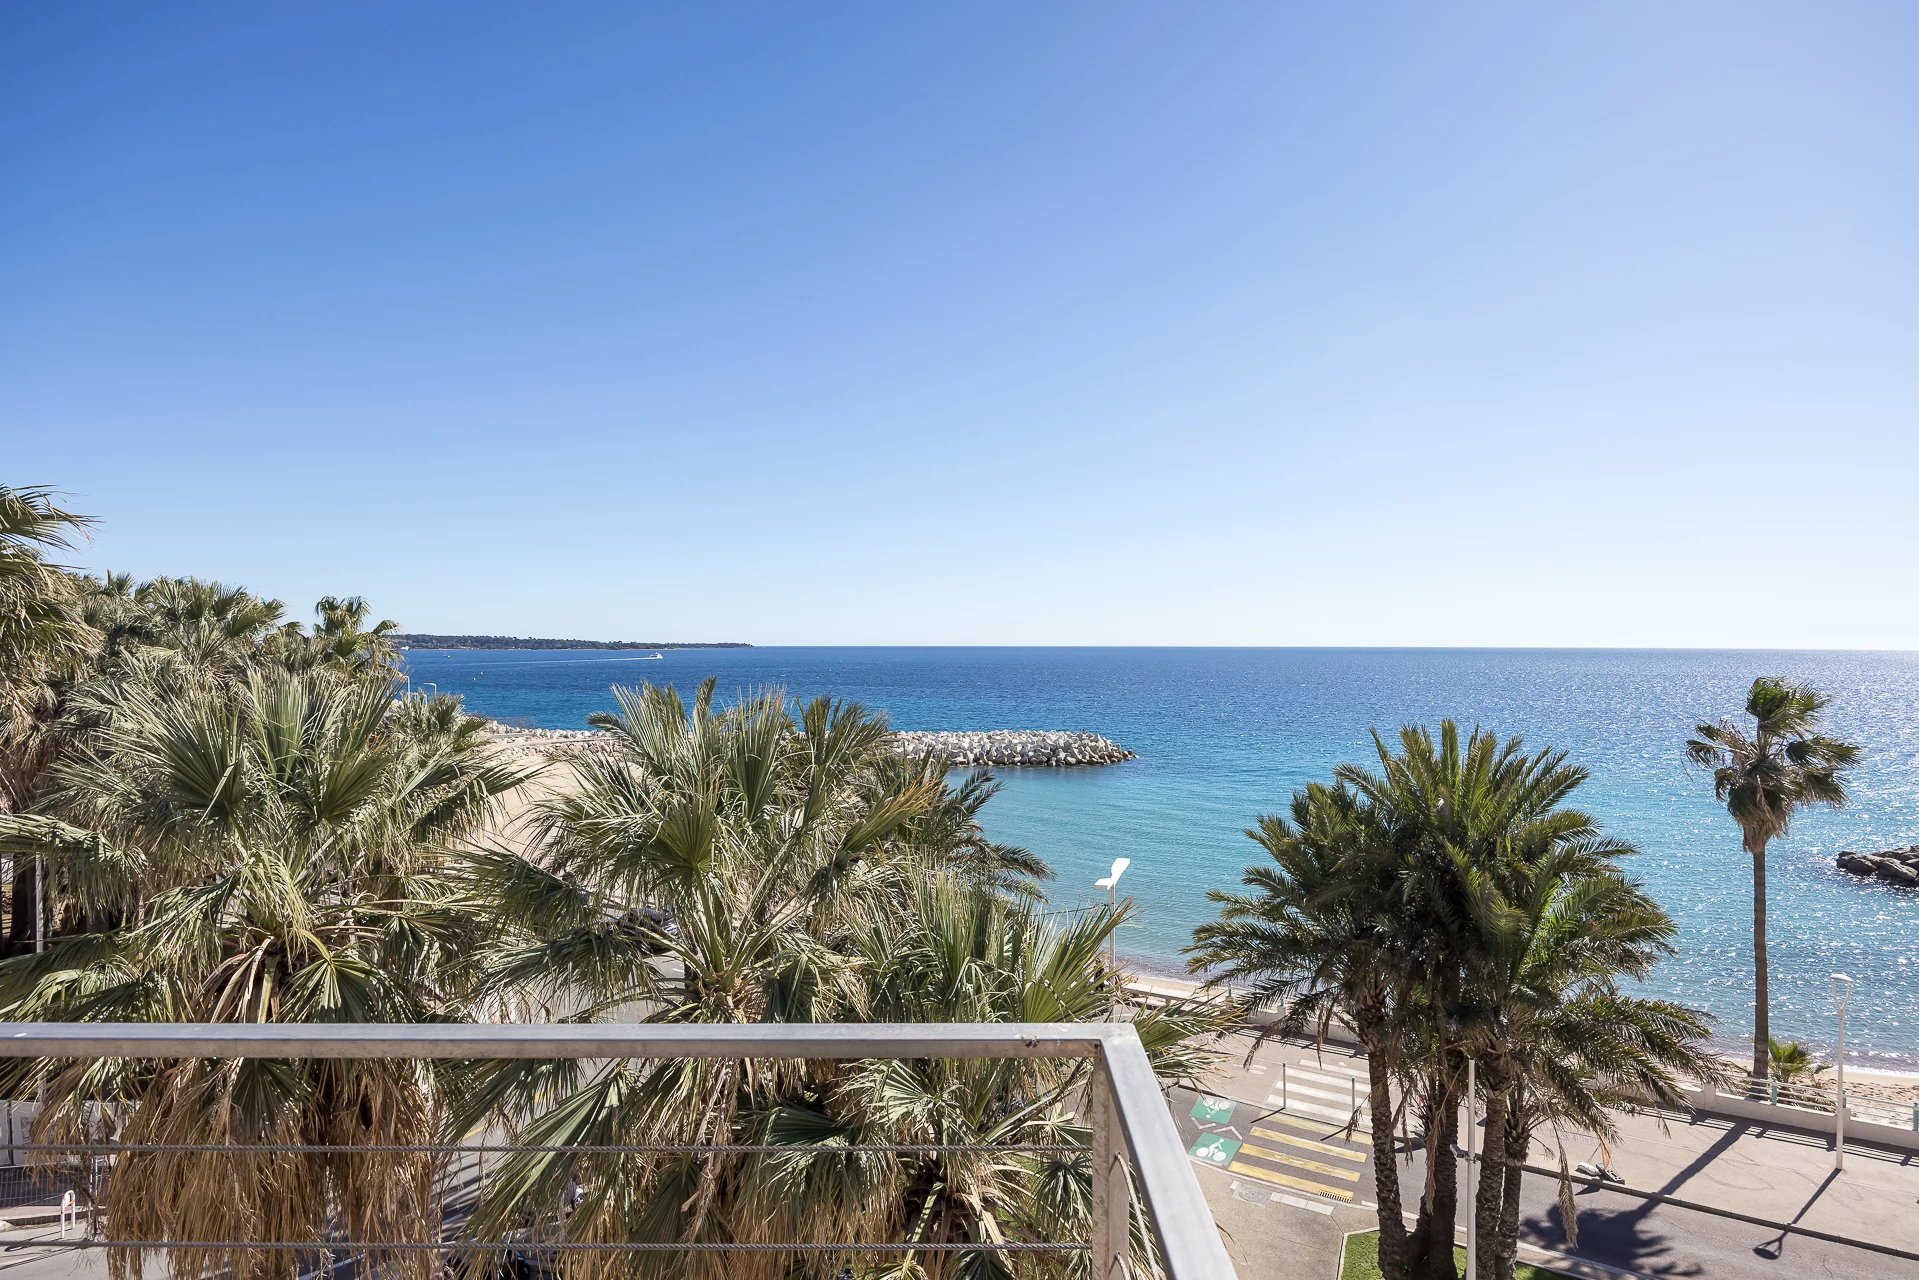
(421, 640)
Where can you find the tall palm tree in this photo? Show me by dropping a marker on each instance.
(272, 854)
(1452, 809)
(1317, 936)
(1436, 904)
(1765, 770)
(1552, 1033)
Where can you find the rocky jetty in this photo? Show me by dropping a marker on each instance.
(1894, 866)
(1017, 748)
(1007, 748)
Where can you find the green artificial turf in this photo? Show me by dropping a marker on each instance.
(1362, 1261)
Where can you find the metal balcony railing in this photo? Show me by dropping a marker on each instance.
(1135, 1145)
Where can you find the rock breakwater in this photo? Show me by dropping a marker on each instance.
(1017, 748)
(1008, 748)
(1894, 866)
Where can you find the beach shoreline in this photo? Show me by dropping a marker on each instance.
(1866, 1070)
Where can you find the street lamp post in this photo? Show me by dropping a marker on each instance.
(1472, 1182)
(1841, 996)
(1110, 883)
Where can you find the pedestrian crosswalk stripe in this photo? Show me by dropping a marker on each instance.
(1344, 1073)
(1341, 1114)
(1318, 1127)
(1293, 1140)
(1298, 1162)
(1342, 1095)
(1281, 1180)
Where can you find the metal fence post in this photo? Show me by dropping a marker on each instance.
(1282, 1089)
(1112, 1192)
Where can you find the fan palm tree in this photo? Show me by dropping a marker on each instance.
(39, 621)
(207, 624)
(951, 826)
(275, 854)
(1764, 775)
(1791, 1062)
(43, 631)
(341, 637)
(808, 875)
(756, 833)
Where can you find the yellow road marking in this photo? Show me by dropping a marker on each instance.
(1281, 1180)
(1296, 1162)
(1323, 1128)
(1344, 1153)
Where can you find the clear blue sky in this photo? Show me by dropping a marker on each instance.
(901, 323)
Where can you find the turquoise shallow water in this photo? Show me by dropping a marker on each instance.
(1226, 734)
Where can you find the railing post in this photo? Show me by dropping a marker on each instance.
(1112, 1192)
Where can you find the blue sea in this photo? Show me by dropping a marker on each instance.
(1224, 735)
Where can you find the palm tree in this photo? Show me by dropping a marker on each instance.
(38, 621)
(43, 631)
(272, 854)
(1553, 1035)
(1452, 811)
(341, 637)
(952, 827)
(1791, 1062)
(44, 640)
(766, 863)
(207, 624)
(1317, 936)
(1764, 776)
(1444, 904)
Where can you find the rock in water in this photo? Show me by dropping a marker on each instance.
(1897, 873)
(1894, 866)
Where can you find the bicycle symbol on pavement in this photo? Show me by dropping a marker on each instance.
(1212, 1110)
(1215, 1148)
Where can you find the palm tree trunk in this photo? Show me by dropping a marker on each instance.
(1392, 1217)
(20, 901)
(1519, 1141)
(1761, 1001)
(1431, 1243)
(1492, 1178)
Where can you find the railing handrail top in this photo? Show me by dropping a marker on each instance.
(1189, 1241)
(559, 1040)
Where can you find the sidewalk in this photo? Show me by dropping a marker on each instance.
(31, 1215)
(1743, 1167)
(1746, 1167)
